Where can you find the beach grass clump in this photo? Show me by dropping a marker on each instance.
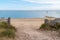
(57, 26)
(45, 27)
(7, 30)
(50, 27)
(8, 33)
(3, 24)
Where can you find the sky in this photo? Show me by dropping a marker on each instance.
(29, 4)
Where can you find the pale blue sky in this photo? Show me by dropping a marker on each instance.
(29, 4)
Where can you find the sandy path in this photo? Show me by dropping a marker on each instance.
(30, 34)
(27, 31)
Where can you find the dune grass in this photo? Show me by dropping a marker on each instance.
(7, 30)
(49, 27)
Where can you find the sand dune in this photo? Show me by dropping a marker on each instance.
(27, 29)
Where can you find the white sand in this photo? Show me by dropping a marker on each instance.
(27, 29)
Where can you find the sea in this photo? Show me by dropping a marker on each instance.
(29, 13)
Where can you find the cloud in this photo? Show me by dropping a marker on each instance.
(44, 1)
(52, 4)
(31, 4)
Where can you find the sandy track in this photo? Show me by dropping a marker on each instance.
(28, 30)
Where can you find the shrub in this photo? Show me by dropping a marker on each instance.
(50, 27)
(57, 26)
(8, 33)
(6, 26)
(43, 26)
(3, 25)
(12, 28)
(9, 30)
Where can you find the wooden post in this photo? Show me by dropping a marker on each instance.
(8, 21)
(46, 21)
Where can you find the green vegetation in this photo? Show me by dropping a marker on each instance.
(7, 30)
(50, 27)
(57, 26)
(45, 27)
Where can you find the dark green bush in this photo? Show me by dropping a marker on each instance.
(43, 26)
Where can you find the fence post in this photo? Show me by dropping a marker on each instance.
(8, 21)
(46, 21)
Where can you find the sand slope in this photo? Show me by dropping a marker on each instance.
(27, 29)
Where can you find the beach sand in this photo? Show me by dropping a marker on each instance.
(27, 22)
(27, 29)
